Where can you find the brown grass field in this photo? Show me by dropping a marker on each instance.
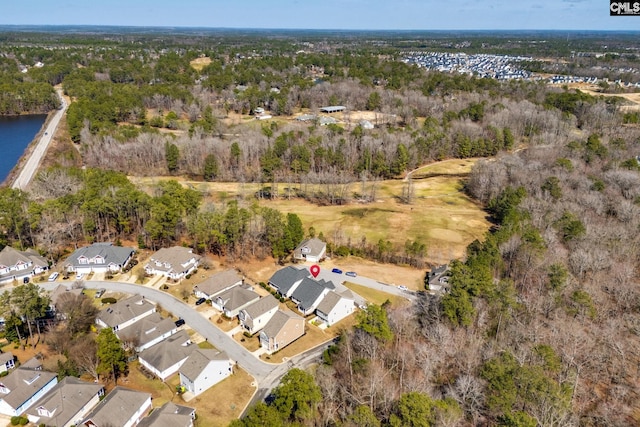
(199, 63)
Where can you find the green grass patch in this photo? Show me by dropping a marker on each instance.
(374, 296)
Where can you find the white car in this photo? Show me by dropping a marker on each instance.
(79, 276)
(53, 276)
(403, 288)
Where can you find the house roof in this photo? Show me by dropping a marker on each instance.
(218, 282)
(333, 108)
(5, 357)
(64, 400)
(313, 246)
(61, 291)
(125, 310)
(169, 351)
(199, 360)
(169, 415)
(10, 256)
(33, 363)
(22, 384)
(146, 329)
(117, 408)
(309, 290)
(278, 321)
(174, 257)
(116, 255)
(237, 297)
(329, 302)
(284, 278)
(263, 305)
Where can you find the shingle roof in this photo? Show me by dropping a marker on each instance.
(5, 357)
(218, 282)
(22, 384)
(64, 401)
(328, 302)
(309, 290)
(125, 310)
(169, 415)
(278, 321)
(117, 408)
(198, 361)
(146, 329)
(116, 255)
(284, 278)
(313, 246)
(33, 363)
(236, 297)
(261, 306)
(174, 257)
(169, 351)
(10, 256)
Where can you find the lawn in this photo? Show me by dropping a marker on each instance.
(374, 296)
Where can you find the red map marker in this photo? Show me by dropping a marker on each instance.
(315, 270)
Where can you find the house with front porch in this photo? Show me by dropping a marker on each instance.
(16, 265)
(98, 258)
(175, 262)
(218, 283)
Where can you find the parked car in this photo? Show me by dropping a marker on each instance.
(53, 276)
(351, 274)
(100, 292)
(403, 288)
(337, 271)
(79, 276)
(179, 322)
(25, 279)
(200, 301)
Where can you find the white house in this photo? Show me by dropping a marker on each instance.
(7, 361)
(66, 404)
(170, 415)
(147, 332)
(175, 262)
(122, 407)
(99, 258)
(335, 307)
(217, 284)
(165, 358)
(22, 388)
(231, 301)
(203, 369)
(311, 250)
(256, 315)
(15, 264)
(309, 293)
(125, 312)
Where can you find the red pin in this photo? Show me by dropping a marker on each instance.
(315, 270)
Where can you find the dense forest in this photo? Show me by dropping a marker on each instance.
(540, 325)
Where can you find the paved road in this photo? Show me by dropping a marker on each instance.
(326, 274)
(31, 165)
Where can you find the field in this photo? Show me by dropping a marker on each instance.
(442, 216)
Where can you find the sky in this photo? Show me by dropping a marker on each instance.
(324, 14)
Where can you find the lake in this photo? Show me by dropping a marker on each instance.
(16, 132)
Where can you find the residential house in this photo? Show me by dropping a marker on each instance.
(284, 327)
(165, 358)
(7, 361)
(61, 293)
(287, 279)
(147, 332)
(175, 262)
(438, 279)
(309, 293)
(15, 264)
(99, 258)
(335, 307)
(22, 388)
(312, 250)
(34, 363)
(203, 369)
(122, 407)
(170, 415)
(231, 301)
(217, 283)
(125, 312)
(66, 404)
(254, 316)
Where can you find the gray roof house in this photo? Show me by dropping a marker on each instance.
(312, 250)
(254, 316)
(125, 312)
(287, 279)
(231, 301)
(7, 361)
(15, 264)
(284, 327)
(203, 369)
(336, 306)
(66, 404)
(165, 358)
(309, 293)
(22, 388)
(217, 283)
(170, 415)
(122, 407)
(175, 262)
(146, 332)
(99, 257)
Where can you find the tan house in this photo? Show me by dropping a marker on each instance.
(284, 327)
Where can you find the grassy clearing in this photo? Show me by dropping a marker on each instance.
(374, 296)
(161, 393)
(199, 63)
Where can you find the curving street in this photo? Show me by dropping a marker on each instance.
(33, 160)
